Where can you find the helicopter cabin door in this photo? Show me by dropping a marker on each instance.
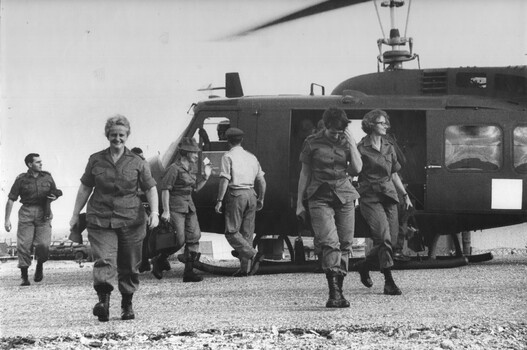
(209, 130)
(476, 161)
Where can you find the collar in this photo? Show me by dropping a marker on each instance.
(367, 141)
(181, 165)
(236, 147)
(126, 153)
(30, 173)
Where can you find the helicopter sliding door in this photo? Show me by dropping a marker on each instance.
(476, 161)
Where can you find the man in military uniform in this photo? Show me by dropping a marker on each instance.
(239, 172)
(34, 187)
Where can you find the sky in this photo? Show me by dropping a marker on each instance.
(67, 65)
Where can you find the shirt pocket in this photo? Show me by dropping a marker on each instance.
(130, 179)
(387, 159)
(97, 171)
(45, 187)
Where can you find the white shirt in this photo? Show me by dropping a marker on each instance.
(240, 167)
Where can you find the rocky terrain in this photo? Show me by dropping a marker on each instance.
(479, 306)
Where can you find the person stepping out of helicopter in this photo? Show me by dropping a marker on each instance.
(329, 158)
(177, 186)
(379, 185)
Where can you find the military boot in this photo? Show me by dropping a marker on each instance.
(39, 272)
(364, 274)
(335, 296)
(25, 279)
(160, 263)
(340, 283)
(390, 288)
(102, 308)
(127, 312)
(188, 274)
(144, 266)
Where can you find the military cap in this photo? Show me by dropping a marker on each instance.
(189, 144)
(233, 132)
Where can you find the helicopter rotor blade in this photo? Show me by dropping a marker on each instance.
(322, 7)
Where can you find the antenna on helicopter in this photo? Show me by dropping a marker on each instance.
(393, 59)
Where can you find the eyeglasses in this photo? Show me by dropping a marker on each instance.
(382, 123)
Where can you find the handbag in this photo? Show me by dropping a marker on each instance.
(162, 239)
(416, 240)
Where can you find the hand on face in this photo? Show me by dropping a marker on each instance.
(334, 134)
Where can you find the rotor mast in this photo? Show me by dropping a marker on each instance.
(393, 58)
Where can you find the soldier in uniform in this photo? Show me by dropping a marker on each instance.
(239, 172)
(379, 185)
(115, 216)
(177, 186)
(328, 159)
(34, 187)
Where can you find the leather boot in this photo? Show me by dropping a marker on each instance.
(164, 263)
(340, 283)
(390, 288)
(159, 264)
(334, 299)
(39, 272)
(102, 308)
(188, 273)
(25, 279)
(127, 312)
(144, 266)
(364, 274)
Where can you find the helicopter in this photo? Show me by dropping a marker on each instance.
(462, 131)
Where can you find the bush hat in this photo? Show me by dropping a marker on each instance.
(189, 144)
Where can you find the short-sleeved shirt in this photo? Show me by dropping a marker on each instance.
(377, 168)
(180, 182)
(115, 201)
(241, 168)
(329, 162)
(32, 190)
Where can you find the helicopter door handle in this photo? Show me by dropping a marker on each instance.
(431, 166)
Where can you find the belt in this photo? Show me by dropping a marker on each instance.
(182, 192)
(240, 189)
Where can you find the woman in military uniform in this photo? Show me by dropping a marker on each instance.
(177, 186)
(115, 216)
(378, 187)
(328, 159)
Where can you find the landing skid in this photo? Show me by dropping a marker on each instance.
(268, 267)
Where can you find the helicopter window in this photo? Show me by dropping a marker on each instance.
(520, 149)
(212, 133)
(473, 147)
(471, 80)
(511, 83)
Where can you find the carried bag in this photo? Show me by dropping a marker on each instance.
(162, 239)
(416, 240)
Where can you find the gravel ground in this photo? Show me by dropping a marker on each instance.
(479, 306)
